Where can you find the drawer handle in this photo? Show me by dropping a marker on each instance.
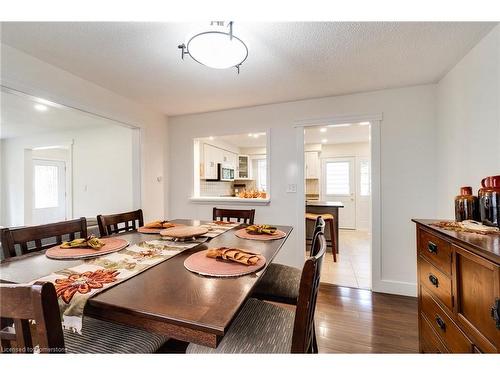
(495, 312)
(434, 280)
(432, 247)
(440, 323)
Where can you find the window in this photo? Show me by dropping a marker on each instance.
(364, 178)
(262, 174)
(46, 186)
(337, 178)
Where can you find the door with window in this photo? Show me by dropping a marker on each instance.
(338, 185)
(49, 191)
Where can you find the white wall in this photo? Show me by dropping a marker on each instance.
(407, 182)
(468, 122)
(95, 189)
(28, 74)
(360, 151)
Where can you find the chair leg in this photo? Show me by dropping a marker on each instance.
(333, 240)
(314, 348)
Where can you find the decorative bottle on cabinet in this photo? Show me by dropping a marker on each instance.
(489, 201)
(466, 205)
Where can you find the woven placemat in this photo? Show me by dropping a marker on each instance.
(242, 233)
(201, 264)
(110, 246)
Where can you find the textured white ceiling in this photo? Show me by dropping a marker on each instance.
(287, 61)
(334, 135)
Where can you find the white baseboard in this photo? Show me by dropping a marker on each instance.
(395, 287)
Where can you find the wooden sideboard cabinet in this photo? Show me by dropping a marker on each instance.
(458, 290)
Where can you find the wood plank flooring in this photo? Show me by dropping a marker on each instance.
(352, 320)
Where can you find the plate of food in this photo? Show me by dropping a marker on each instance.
(225, 262)
(261, 232)
(86, 248)
(155, 227)
(184, 233)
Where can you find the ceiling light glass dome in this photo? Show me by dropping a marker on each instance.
(216, 49)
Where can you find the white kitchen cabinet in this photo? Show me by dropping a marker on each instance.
(211, 157)
(312, 164)
(244, 169)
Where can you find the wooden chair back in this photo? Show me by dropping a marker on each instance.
(303, 329)
(20, 241)
(22, 303)
(224, 214)
(117, 223)
(319, 227)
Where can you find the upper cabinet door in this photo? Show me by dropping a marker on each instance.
(477, 293)
(211, 156)
(312, 164)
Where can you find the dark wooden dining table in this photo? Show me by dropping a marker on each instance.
(166, 298)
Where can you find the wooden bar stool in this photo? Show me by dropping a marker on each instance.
(329, 220)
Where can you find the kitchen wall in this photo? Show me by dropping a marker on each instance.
(28, 74)
(95, 189)
(407, 150)
(468, 122)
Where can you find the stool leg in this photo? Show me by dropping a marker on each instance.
(333, 240)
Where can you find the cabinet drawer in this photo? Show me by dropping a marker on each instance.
(436, 250)
(436, 281)
(429, 341)
(452, 336)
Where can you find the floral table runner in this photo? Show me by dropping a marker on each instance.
(216, 228)
(75, 285)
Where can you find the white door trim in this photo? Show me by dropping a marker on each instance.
(378, 284)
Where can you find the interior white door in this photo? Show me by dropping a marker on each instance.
(49, 191)
(363, 195)
(338, 185)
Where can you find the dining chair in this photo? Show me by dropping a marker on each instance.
(24, 240)
(280, 283)
(225, 214)
(262, 327)
(117, 223)
(28, 303)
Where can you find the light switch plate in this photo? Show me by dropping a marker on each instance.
(291, 188)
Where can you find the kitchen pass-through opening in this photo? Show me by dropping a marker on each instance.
(337, 185)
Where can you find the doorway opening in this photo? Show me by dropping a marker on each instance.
(337, 170)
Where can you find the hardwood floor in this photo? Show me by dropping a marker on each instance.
(352, 320)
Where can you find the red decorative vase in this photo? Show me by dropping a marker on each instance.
(489, 201)
(466, 205)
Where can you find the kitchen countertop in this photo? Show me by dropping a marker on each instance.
(325, 204)
(231, 200)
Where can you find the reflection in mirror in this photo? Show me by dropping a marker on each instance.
(59, 163)
(231, 166)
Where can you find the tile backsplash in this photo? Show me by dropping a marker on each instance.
(216, 188)
(223, 188)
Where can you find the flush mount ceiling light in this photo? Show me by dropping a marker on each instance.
(40, 107)
(216, 49)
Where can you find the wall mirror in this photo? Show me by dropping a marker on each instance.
(59, 163)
